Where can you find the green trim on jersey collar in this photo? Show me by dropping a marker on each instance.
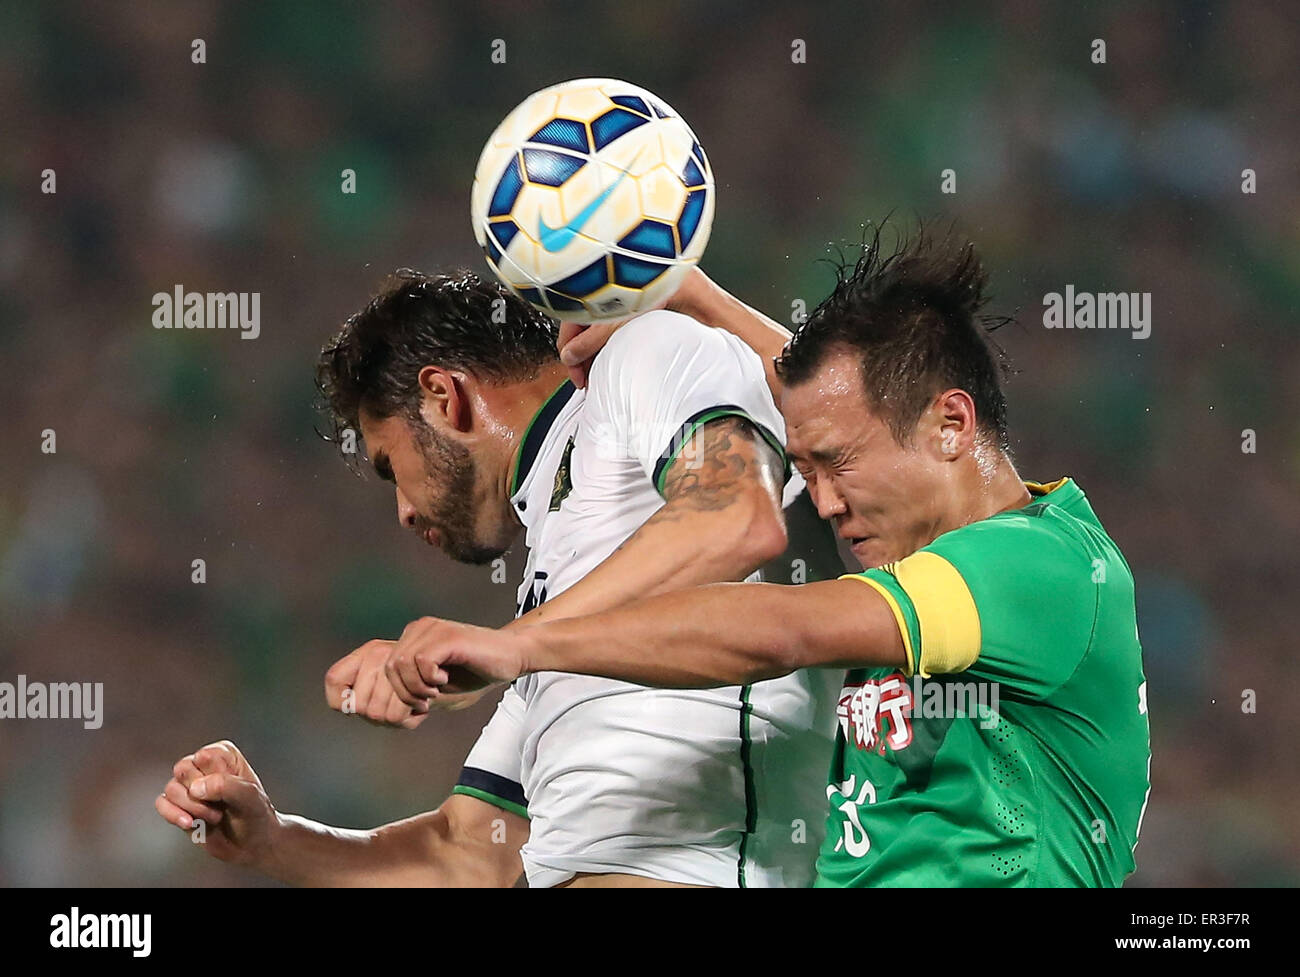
(538, 427)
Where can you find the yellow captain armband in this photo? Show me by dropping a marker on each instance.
(945, 612)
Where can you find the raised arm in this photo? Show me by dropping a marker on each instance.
(705, 300)
(700, 298)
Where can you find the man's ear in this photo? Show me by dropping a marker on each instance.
(445, 401)
(954, 415)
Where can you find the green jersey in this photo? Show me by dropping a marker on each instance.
(1013, 749)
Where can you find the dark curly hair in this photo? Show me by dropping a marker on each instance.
(459, 321)
(912, 317)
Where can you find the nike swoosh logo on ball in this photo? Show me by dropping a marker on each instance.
(558, 238)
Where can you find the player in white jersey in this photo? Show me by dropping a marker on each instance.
(720, 787)
(698, 787)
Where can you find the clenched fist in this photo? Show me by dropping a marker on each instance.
(358, 683)
(217, 785)
(440, 659)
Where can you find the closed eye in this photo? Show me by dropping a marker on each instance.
(832, 459)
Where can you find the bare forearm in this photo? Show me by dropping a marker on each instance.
(723, 634)
(667, 553)
(413, 852)
(714, 306)
(721, 521)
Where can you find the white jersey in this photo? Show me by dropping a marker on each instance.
(720, 787)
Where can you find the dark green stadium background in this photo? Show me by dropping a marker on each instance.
(225, 176)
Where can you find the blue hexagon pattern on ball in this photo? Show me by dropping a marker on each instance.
(592, 200)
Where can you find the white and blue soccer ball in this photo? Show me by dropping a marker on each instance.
(592, 200)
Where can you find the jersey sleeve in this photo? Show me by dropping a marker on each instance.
(1011, 600)
(492, 769)
(663, 376)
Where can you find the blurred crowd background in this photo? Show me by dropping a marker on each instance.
(225, 176)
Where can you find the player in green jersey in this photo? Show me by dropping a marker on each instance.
(992, 725)
(1032, 609)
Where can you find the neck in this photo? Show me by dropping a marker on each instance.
(997, 486)
(987, 484)
(513, 408)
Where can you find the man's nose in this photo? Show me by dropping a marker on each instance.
(406, 513)
(828, 501)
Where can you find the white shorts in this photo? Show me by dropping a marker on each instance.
(718, 787)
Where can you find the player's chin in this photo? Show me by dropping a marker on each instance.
(873, 551)
(473, 554)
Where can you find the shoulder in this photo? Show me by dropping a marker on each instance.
(649, 350)
(1038, 549)
(657, 332)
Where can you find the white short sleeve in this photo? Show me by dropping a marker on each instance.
(492, 770)
(663, 375)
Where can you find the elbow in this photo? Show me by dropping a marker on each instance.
(770, 543)
(778, 654)
(763, 533)
(789, 643)
(745, 536)
(740, 537)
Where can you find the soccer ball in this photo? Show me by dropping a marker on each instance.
(592, 200)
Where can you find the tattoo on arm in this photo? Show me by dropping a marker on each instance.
(722, 460)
